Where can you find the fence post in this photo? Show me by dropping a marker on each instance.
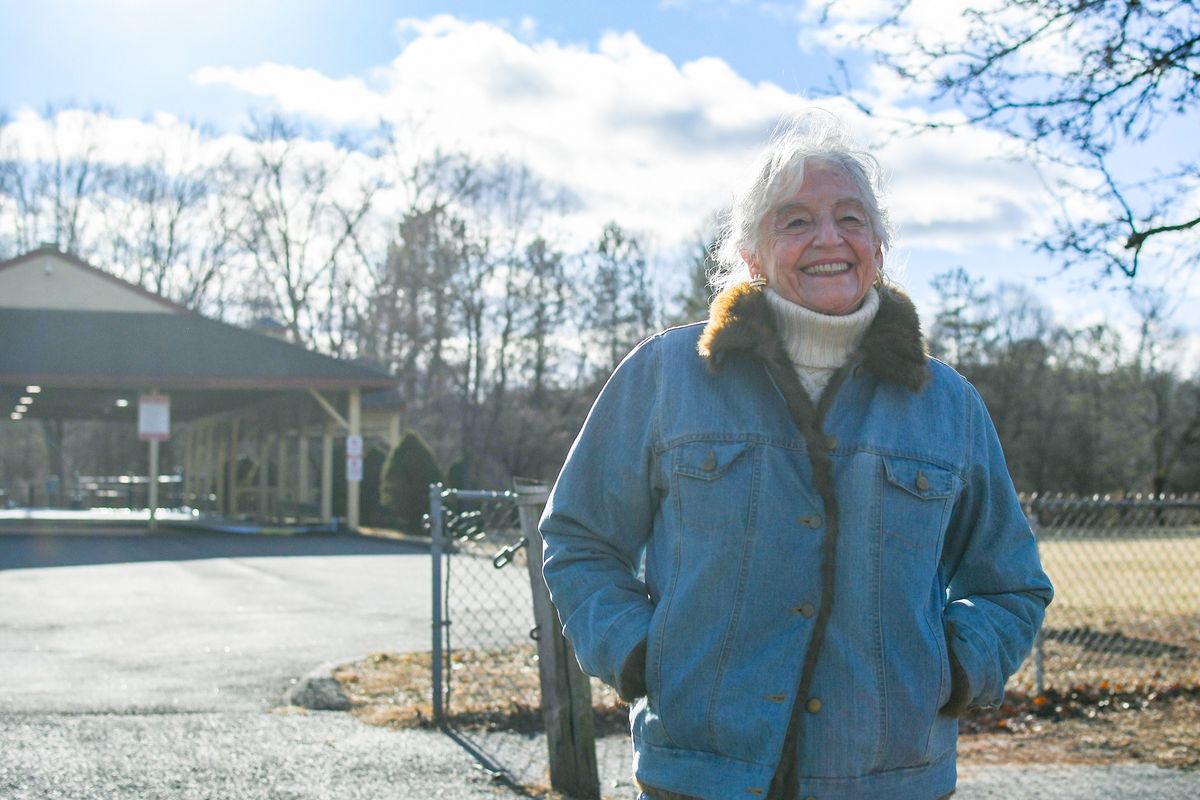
(435, 550)
(566, 691)
(1039, 655)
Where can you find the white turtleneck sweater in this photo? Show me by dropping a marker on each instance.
(820, 343)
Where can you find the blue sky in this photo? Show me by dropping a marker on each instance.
(135, 56)
(646, 111)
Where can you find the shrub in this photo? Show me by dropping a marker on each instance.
(404, 487)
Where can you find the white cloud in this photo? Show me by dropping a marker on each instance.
(637, 138)
(632, 135)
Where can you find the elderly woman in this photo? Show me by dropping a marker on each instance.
(836, 562)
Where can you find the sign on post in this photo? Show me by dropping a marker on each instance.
(354, 458)
(154, 418)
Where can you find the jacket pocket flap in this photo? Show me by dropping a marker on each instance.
(919, 478)
(709, 460)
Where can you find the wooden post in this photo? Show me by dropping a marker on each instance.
(302, 490)
(232, 483)
(282, 468)
(353, 488)
(218, 456)
(264, 473)
(566, 691)
(327, 472)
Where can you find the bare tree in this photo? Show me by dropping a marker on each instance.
(300, 228)
(1081, 82)
(1170, 408)
(53, 194)
(172, 228)
(620, 308)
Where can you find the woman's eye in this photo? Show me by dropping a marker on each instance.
(796, 222)
(850, 219)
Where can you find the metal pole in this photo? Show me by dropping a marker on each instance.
(435, 550)
(152, 487)
(1039, 657)
(1039, 666)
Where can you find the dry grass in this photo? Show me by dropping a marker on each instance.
(1126, 610)
(1135, 575)
(1161, 731)
(1122, 647)
(1096, 727)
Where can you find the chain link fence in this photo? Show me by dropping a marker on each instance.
(1126, 613)
(1126, 576)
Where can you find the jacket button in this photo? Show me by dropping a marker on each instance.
(831, 442)
(813, 706)
(807, 610)
(710, 463)
(811, 521)
(922, 481)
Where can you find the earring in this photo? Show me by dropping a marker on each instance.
(759, 281)
(878, 282)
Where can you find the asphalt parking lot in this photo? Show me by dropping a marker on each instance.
(154, 666)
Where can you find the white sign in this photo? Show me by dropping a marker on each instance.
(354, 446)
(354, 468)
(154, 417)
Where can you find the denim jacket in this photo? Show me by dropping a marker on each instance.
(814, 576)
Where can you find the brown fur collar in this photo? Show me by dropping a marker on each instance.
(893, 348)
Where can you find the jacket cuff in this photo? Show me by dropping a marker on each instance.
(631, 683)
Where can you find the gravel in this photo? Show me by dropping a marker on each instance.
(276, 756)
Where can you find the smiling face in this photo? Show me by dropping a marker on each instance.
(820, 249)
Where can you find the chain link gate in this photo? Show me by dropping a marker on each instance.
(485, 669)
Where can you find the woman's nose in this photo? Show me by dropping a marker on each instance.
(827, 231)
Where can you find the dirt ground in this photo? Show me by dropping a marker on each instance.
(1086, 725)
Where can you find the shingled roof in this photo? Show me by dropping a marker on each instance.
(46, 341)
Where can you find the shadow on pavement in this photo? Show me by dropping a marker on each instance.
(70, 546)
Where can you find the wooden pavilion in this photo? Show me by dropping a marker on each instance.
(79, 343)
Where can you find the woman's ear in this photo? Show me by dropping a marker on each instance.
(752, 263)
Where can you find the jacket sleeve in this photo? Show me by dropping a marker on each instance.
(998, 592)
(596, 523)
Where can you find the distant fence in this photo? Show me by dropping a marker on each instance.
(1126, 610)
(1126, 576)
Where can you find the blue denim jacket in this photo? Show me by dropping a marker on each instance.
(801, 563)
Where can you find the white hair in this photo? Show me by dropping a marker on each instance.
(779, 170)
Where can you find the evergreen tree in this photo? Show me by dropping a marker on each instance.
(404, 487)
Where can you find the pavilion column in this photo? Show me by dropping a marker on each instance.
(394, 431)
(352, 487)
(232, 468)
(191, 467)
(152, 486)
(281, 473)
(219, 471)
(327, 472)
(264, 474)
(303, 492)
(212, 463)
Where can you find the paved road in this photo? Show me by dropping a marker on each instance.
(153, 666)
(137, 666)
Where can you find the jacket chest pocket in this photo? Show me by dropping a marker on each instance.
(917, 499)
(714, 484)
